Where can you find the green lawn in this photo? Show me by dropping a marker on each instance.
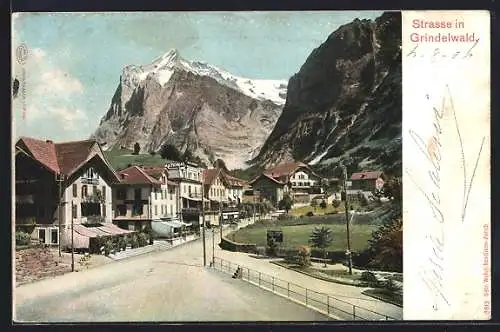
(300, 211)
(120, 159)
(296, 235)
(318, 211)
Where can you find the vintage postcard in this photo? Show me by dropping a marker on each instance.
(249, 166)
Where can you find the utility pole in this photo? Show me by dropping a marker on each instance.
(254, 193)
(203, 216)
(72, 243)
(220, 217)
(213, 246)
(348, 253)
(59, 179)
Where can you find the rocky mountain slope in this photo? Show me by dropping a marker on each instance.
(192, 105)
(345, 102)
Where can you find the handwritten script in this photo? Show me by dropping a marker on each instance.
(440, 54)
(432, 151)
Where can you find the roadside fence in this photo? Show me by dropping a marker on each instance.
(321, 302)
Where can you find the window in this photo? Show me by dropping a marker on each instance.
(75, 190)
(184, 188)
(137, 194)
(121, 209)
(94, 190)
(156, 210)
(162, 209)
(162, 191)
(54, 235)
(90, 209)
(156, 193)
(189, 190)
(84, 191)
(137, 209)
(171, 197)
(104, 210)
(74, 211)
(41, 235)
(121, 193)
(195, 190)
(171, 210)
(104, 192)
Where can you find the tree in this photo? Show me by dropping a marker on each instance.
(187, 156)
(304, 256)
(314, 204)
(386, 246)
(363, 201)
(199, 162)
(322, 204)
(137, 148)
(321, 238)
(392, 189)
(286, 203)
(386, 243)
(219, 163)
(336, 203)
(169, 151)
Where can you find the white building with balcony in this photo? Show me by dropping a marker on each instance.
(144, 194)
(60, 184)
(188, 177)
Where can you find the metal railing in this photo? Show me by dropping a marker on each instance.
(321, 302)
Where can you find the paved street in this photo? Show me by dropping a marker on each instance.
(161, 286)
(172, 285)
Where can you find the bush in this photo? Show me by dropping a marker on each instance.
(322, 204)
(283, 217)
(134, 241)
(309, 214)
(368, 276)
(304, 256)
(109, 247)
(272, 248)
(143, 239)
(84, 260)
(391, 286)
(336, 203)
(23, 239)
(122, 243)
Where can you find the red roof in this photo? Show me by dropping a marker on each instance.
(267, 177)
(65, 157)
(284, 169)
(136, 175)
(233, 181)
(209, 175)
(43, 151)
(71, 155)
(155, 172)
(366, 175)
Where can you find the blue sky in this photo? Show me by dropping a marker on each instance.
(76, 59)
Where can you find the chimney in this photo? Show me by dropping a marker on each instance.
(49, 141)
(123, 175)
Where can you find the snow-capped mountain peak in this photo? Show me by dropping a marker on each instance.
(162, 68)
